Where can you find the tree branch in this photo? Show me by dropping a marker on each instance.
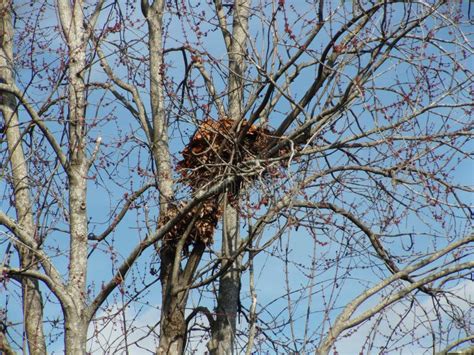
(38, 121)
(342, 322)
(117, 219)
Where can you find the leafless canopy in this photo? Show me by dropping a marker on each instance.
(236, 176)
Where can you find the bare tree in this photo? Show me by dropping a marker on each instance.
(265, 176)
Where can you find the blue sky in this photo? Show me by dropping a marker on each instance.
(104, 195)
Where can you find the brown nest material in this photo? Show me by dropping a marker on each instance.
(213, 147)
(204, 225)
(208, 155)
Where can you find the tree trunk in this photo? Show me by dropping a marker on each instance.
(224, 328)
(159, 136)
(173, 322)
(173, 327)
(175, 283)
(72, 23)
(32, 308)
(31, 296)
(75, 338)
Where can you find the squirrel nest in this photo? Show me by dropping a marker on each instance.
(211, 153)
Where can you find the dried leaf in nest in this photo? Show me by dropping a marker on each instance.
(203, 228)
(204, 159)
(211, 147)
